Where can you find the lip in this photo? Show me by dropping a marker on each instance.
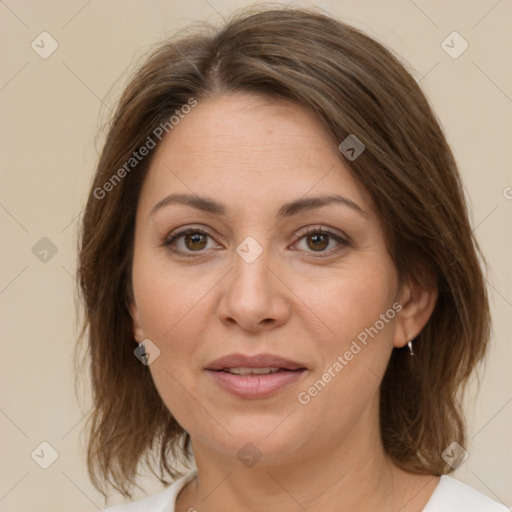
(255, 386)
(256, 361)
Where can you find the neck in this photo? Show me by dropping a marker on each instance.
(354, 474)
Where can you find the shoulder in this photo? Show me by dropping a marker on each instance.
(162, 502)
(451, 495)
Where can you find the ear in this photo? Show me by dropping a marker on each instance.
(138, 332)
(418, 303)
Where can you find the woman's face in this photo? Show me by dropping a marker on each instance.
(284, 258)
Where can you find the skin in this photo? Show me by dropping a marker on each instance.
(303, 298)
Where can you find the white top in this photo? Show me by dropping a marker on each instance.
(450, 495)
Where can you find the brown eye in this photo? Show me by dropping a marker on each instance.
(318, 242)
(321, 241)
(195, 241)
(189, 241)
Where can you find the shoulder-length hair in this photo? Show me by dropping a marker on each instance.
(355, 86)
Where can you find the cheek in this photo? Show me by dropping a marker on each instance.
(173, 310)
(170, 302)
(352, 299)
(357, 308)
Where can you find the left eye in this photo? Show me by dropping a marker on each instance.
(318, 240)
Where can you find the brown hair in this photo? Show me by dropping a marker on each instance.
(355, 86)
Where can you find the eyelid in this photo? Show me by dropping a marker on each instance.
(184, 230)
(325, 230)
(180, 232)
(341, 238)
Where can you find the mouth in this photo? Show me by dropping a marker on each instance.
(259, 376)
(256, 371)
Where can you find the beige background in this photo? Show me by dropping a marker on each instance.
(51, 112)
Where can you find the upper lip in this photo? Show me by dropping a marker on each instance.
(256, 361)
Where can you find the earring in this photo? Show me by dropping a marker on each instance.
(409, 343)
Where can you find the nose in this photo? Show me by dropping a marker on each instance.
(253, 297)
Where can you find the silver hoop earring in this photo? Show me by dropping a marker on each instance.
(409, 343)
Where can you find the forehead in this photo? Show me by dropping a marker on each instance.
(249, 150)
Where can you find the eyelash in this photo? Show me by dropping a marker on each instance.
(343, 242)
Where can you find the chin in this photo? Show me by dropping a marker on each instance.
(262, 439)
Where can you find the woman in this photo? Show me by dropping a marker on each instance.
(280, 279)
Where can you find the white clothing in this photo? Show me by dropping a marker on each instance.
(450, 495)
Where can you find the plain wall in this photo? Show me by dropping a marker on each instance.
(51, 111)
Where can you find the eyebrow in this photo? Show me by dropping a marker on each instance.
(208, 205)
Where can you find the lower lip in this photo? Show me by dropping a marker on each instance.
(256, 386)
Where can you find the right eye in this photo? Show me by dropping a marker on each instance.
(189, 240)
